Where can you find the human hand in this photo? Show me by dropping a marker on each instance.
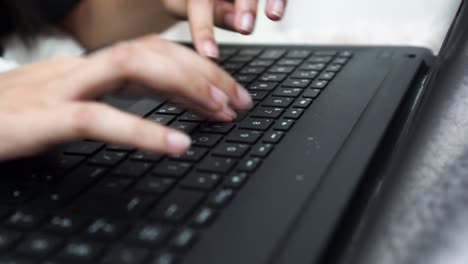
(51, 102)
(202, 15)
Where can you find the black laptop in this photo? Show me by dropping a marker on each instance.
(275, 186)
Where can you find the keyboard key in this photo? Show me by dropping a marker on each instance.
(267, 112)
(64, 225)
(245, 78)
(146, 156)
(131, 169)
(333, 68)
(320, 59)
(153, 185)
(256, 124)
(162, 119)
(345, 53)
(8, 238)
(84, 147)
(241, 58)
(149, 235)
(293, 113)
(272, 77)
(165, 258)
(253, 70)
(63, 162)
(298, 54)
(261, 63)
(231, 150)
(273, 137)
(170, 109)
(250, 52)
(107, 158)
(15, 260)
(126, 255)
(340, 60)
(119, 147)
(111, 185)
(288, 92)
(312, 66)
(305, 74)
(327, 76)
(297, 83)
(311, 93)
(233, 65)
(173, 169)
(80, 251)
(204, 216)
(38, 245)
(177, 206)
(249, 164)
(272, 54)
(281, 102)
(216, 165)
(243, 136)
(24, 219)
(221, 197)
(193, 154)
(303, 103)
(281, 69)
(318, 84)
(217, 128)
(184, 239)
(325, 53)
(205, 140)
(200, 181)
(236, 180)
(283, 125)
(258, 95)
(105, 229)
(190, 117)
(289, 62)
(262, 86)
(262, 150)
(143, 107)
(187, 127)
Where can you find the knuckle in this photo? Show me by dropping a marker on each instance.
(82, 119)
(121, 57)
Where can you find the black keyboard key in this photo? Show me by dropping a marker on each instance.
(281, 69)
(15, 260)
(205, 140)
(326, 53)
(296, 83)
(165, 258)
(327, 76)
(262, 86)
(204, 216)
(161, 119)
(173, 169)
(184, 239)
(250, 52)
(221, 197)
(80, 251)
(107, 158)
(303, 103)
(232, 65)
(177, 206)
(63, 162)
(236, 180)
(262, 150)
(111, 185)
(39, 245)
(272, 77)
(289, 62)
(232, 150)
(311, 93)
(318, 84)
(153, 185)
(253, 70)
(256, 124)
(190, 117)
(105, 229)
(111, 205)
(217, 128)
(187, 127)
(146, 156)
(258, 95)
(241, 58)
(320, 59)
(273, 137)
(216, 165)
(312, 66)
(249, 164)
(293, 113)
(261, 63)
(245, 78)
(288, 92)
(126, 255)
(267, 112)
(298, 54)
(333, 68)
(170, 109)
(8, 238)
(143, 107)
(243, 136)
(25, 219)
(281, 102)
(118, 147)
(340, 60)
(272, 54)
(283, 125)
(84, 147)
(131, 169)
(193, 154)
(149, 234)
(346, 54)
(305, 74)
(64, 224)
(201, 181)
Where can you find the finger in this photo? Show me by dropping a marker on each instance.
(246, 13)
(239, 97)
(104, 123)
(224, 116)
(224, 15)
(275, 9)
(201, 20)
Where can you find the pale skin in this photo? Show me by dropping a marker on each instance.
(52, 102)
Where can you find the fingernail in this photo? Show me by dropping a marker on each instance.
(244, 97)
(229, 20)
(218, 96)
(210, 49)
(278, 8)
(247, 22)
(229, 112)
(178, 142)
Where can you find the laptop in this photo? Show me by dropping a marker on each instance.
(275, 186)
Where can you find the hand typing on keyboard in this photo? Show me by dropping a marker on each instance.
(235, 15)
(50, 102)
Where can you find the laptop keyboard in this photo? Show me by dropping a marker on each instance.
(114, 204)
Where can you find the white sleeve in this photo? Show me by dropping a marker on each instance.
(6, 65)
